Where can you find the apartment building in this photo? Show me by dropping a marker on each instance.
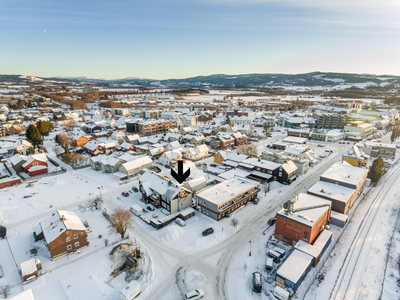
(150, 127)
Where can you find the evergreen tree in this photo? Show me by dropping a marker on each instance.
(375, 172)
(44, 127)
(33, 135)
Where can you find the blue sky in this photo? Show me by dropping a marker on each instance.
(181, 38)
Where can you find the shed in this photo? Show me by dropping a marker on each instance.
(294, 270)
(29, 270)
(338, 219)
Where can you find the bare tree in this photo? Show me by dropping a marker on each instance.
(234, 222)
(5, 290)
(96, 203)
(64, 139)
(69, 124)
(120, 221)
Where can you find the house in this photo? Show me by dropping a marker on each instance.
(186, 130)
(9, 181)
(205, 117)
(63, 233)
(105, 148)
(170, 137)
(32, 165)
(118, 135)
(125, 146)
(135, 167)
(156, 152)
(223, 128)
(197, 184)
(355, 157)
(110, 164)
(133, 139)
(239, 120)
(222, 142)
(239, 138)
(186, 120)
(25, 148)
(175, 145)
(197, 140)
(237, 113)
(303, 219)
(163, 192)
(222, 199)
(170, 157)
(196, 153)
(92, 148)
(263, 170)
(208, 132)
(222, 156)
(244, 129)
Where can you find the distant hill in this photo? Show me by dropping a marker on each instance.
(314, 79)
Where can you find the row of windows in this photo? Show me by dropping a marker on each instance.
(68, 239)
(69, 247)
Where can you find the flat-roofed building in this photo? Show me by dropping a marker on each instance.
(227, 196)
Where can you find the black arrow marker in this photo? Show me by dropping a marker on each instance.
(180, 176)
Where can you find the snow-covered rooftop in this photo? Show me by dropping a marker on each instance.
(331, 190)
(227, 189)
(294, 266)
(343, 172)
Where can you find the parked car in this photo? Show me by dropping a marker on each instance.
(319, 145)
(213, 165)
(167, 166)
(272, 221)
(193, 295)
(135, 189)
(125, 194)
(180, 222)
(155, 216)
(257, 282)
(208, 231)
(150, 208)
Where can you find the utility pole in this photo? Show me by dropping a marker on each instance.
(250, 247)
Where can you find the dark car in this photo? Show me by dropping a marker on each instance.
(213, 165)
(135, 189)
(125, 194)
(208, 231)
(151, 208)
(167, 166)
(272, 221)
(257, 282)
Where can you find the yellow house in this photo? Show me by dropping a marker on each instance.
(81, 141)
(355, 157)
(219, 158)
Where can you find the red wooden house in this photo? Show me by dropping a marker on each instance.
(240, 138)
(208, 132)
(32, 165)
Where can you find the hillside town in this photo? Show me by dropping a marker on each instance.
(128, 192)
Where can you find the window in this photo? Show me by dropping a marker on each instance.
(35, 164)
(77, 244)
(67, 239)
(305, 235)
(69, 247)
(280, 174)
(75, 236)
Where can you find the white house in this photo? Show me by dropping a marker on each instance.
(196, 153)
(170, 157)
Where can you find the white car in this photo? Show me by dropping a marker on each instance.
(196, 294)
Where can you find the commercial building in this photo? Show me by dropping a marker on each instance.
(303, 219)
(222, 199)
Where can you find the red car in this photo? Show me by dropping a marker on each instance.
(126, 194)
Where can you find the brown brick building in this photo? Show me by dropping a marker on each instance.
(304, 221)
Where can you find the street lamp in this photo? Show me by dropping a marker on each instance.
(250, 247)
